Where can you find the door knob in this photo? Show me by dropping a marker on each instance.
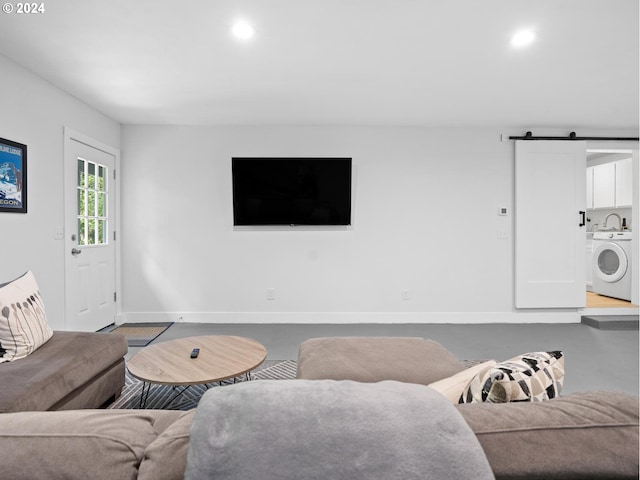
(76, 251)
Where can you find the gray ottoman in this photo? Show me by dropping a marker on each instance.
(374, 359)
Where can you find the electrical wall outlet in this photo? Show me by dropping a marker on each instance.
(405, 294)
(271, 293)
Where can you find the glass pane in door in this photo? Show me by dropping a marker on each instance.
(92, 203)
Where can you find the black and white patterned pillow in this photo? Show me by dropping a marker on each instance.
(531, 377)
(23, 322)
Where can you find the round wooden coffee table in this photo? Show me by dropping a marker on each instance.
(221, 357)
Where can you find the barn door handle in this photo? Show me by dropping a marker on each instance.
(582, 218)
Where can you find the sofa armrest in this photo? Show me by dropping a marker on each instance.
(591, 435)
(78, 444)
(166, 457)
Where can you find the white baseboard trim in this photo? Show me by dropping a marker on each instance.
(353, 317)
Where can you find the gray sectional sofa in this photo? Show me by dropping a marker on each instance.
(248, 427)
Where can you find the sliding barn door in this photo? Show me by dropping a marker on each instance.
(550, 232)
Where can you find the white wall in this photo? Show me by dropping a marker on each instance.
(34, 112)
(425, 218)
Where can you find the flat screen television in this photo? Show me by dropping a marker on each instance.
(291, 191)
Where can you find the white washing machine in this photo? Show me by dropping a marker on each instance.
(612, 264)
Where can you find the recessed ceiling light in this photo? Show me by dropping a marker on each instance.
(243, 30)
(522, 38)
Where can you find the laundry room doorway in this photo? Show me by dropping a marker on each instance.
(613, 179)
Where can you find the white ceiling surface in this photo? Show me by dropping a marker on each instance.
(339, 62)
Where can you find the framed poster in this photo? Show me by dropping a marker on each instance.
(13, 177)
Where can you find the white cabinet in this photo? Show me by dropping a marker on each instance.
(604, 185)
(624, 183)
(610, 185)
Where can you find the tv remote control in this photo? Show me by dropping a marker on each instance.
(195, 352)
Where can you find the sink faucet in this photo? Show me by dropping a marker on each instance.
(615, 215)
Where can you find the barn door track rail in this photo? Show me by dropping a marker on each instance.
(571, 136)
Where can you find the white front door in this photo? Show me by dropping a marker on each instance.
(550, 218)
(90, 253)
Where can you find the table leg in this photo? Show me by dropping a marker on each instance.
(146, 387)
(144, 395)
(176, 396)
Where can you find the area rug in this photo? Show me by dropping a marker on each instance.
(141, 334)
(161, 396)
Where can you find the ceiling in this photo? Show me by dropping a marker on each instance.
(339, 62)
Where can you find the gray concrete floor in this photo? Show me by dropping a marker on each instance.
(594, 359)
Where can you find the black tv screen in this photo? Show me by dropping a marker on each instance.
(291, 191)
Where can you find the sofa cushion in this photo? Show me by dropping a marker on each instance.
(582, 436)
(23, 321)
(78, 444)
(67, 361)
(374, 359)
(325, 429)
(166, 457)
(530, 377)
